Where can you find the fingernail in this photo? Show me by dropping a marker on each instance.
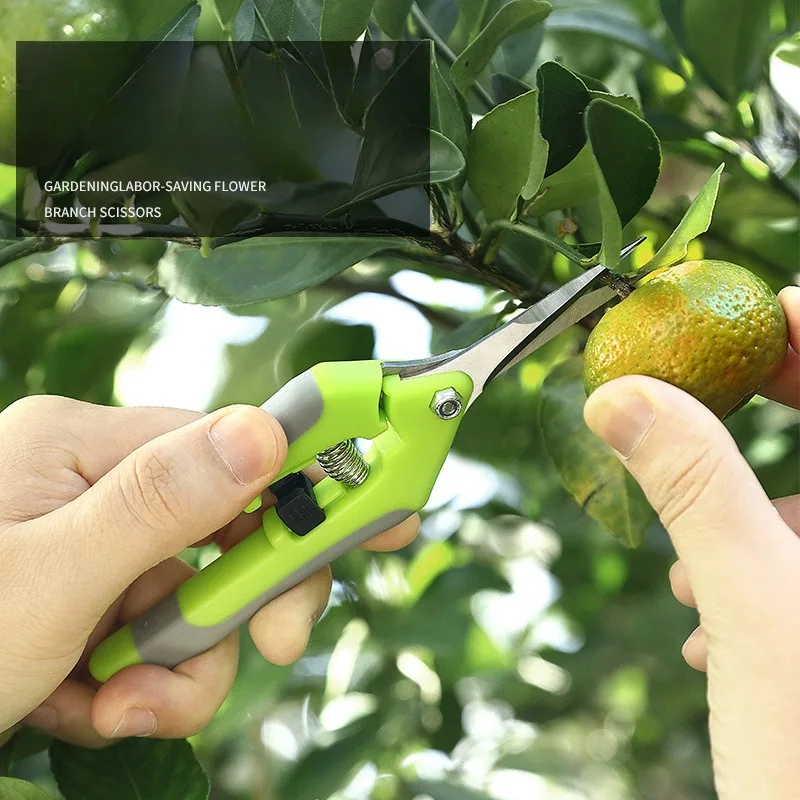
(692, 636)
(245, 440)
(136, 722)
(620, 417)
(44, 718)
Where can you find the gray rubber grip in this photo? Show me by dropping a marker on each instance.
(162, 636)
(297, 406)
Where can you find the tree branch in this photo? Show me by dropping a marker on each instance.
(27, 247)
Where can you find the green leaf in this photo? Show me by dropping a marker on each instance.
(513, 17)
(569, 187)
(563, 97)
(276, 17)
(399, 150)
(156, 769)
(622, 100)
(391, 16)
(397, 160)
(627, 159)
(729, 41)
(13, 789)
(611, 25)
(344, 22)
(789, 50)
(590, 471)
(448, 116)
(161, 21)
(507, 156)
(507, 87)
(264, 268)
(695, 222)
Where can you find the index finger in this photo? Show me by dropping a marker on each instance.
(785, 387)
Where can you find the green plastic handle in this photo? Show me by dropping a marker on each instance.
(328, 404)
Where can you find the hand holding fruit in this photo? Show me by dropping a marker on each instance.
(739, 560)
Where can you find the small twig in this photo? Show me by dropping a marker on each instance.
(495, 230)
(301, 224)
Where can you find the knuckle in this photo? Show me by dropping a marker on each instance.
(688, 483)
(39, 405)
(152, 494)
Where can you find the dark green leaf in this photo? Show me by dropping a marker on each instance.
(25, 743)
(593, 84)
(518, 53)
(601, 22)
(448, 115)
(156, 769)
(789, 51)
(399, 149)
(171, 20)
(507, 156)
(344, 22)
(627, 158)
(263, 268)
(276, 17)
(588, 468)
(378, 175)
(728, 40)
(513, 17)
(244, 23)
(13, 789)
(695, 222)
(305, 23)
(563, 97)
(507, 87)
(570, 186)
(622, 100)
(391, 15)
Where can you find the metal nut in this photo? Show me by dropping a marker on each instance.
(447, 404)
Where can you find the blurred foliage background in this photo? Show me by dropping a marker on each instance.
(515, 650)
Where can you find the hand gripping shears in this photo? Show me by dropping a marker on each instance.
(409, 411)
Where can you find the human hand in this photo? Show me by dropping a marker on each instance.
(95, 505)
(739, 566)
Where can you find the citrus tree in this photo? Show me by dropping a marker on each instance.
(515, 648)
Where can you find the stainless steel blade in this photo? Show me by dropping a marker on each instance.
(501, 349)
(581, 308)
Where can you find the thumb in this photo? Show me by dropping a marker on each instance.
(168, 494)
(717, 514)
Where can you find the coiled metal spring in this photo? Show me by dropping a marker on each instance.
(344, 463)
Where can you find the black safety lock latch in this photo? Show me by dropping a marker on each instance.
(296, 505)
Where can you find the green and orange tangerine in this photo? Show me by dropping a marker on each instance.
(711, 328)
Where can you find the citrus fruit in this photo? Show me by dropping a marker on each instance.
(711, 328)
(42, 21)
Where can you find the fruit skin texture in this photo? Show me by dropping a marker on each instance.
(710, 328)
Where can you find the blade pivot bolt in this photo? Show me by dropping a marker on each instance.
(447, 404)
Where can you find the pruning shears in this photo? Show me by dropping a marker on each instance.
(410, 411)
